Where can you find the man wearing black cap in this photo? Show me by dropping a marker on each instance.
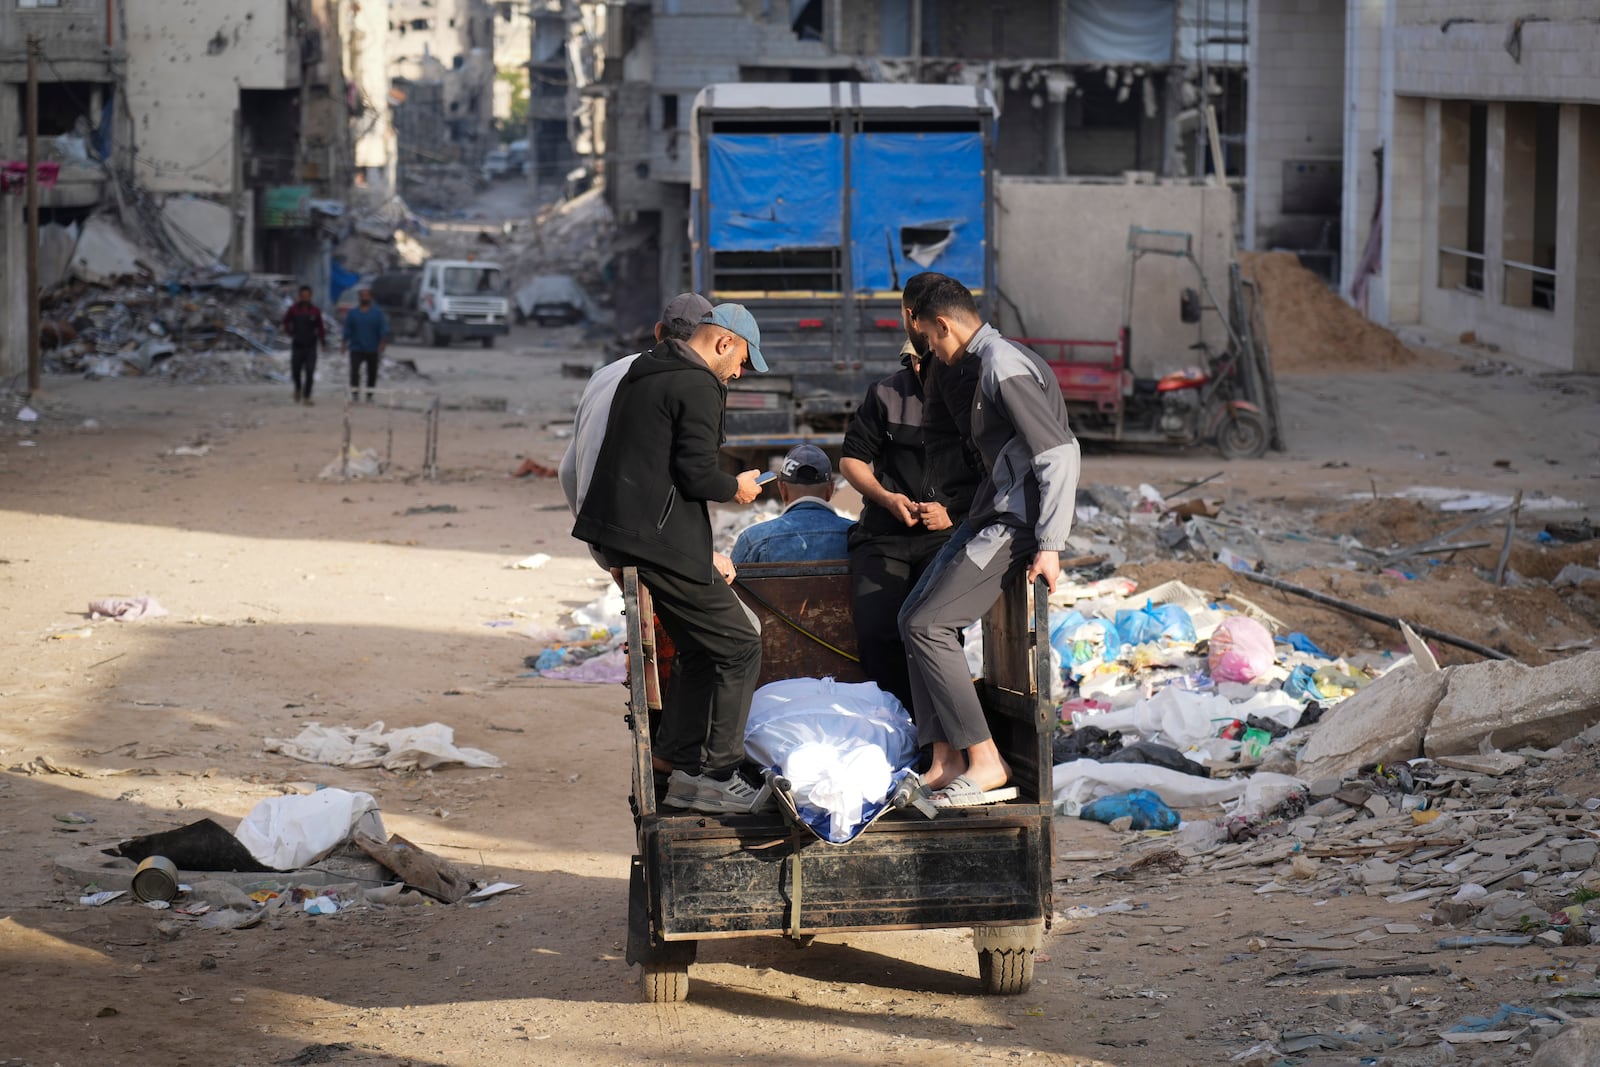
(646, 507)
(809, 528)
(906, 454)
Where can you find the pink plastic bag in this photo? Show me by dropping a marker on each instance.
(1241, 651)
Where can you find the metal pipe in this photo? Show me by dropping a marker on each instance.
(1375, 616)
(33, 216)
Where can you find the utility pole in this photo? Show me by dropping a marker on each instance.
(33, 215)
(236, 202)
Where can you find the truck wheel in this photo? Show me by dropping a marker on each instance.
(663, 983)
(488, 342)
(426, 334)
(1243, 435)
(1005, 972)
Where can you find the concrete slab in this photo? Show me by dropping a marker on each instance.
(1385, 721)
(1512, 706)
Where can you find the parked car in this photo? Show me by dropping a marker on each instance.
(552, 300)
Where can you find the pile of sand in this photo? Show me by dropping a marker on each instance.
(1310, 328)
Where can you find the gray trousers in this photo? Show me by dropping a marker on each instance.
(957, 591)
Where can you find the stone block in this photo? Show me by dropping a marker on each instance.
(1385, 721)
(1511, 706)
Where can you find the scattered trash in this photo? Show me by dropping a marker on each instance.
(106, 896)
(1141, 809)
(27, 414)
(531, 563)
(286, 833)
(407, 748)
(127, 609)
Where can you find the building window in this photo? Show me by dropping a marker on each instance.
(1463, 179)
(669, 111)
(1528, 226)
(26, 4)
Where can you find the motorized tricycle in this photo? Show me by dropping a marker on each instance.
(701, 877)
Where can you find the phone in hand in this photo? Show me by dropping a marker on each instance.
(763, 479)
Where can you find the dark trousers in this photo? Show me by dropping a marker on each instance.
(357, 361)
(303, 367)
(883, 570)
(719, 659)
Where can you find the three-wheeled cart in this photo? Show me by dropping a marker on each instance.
(697, 877)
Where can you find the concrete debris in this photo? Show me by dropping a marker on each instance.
(1578, 1045)
(1510, 706)
(1382, 723)
(1456, 712)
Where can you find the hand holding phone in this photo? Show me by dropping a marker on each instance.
(763, 479)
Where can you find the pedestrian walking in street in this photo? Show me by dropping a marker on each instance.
(366, 335)
(307, 333)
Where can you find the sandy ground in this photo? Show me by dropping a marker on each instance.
(297, 600)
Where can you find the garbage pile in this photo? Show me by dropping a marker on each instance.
(588, 650)
(312, 854)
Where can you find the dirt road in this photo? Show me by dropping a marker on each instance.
(296, 600)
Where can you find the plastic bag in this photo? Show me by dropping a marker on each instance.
(1153, 623)
(287, 833)
(1241, 651)
(840, 745)
(1147, 810)
(1173, 716)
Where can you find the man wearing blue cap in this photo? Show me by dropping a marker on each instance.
(646, 508)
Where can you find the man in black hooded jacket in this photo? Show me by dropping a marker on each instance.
(646, 507)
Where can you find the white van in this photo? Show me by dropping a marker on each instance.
(462, 298)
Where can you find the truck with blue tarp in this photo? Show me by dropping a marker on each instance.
(812, 204)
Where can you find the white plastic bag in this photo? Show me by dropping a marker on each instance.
(1080, 781)
(1176, 717)
(840, 744)
(287, 833)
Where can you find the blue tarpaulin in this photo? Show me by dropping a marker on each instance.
(340, 279)
(929, 183)
(775, 191)
(1121, 31)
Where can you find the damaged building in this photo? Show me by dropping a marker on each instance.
(184, 135)
(442, 83)
(1094, 89)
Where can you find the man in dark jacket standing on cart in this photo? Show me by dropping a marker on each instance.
(646, 508)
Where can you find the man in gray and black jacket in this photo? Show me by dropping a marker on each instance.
(1021, 517)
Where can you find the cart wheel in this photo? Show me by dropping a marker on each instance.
(488, 342)
(1005, 972)
(664, 983)
(1243, 436)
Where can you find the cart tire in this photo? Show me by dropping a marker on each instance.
(1243, 435)
(664, 983)
(488, 342)
(1005, 972)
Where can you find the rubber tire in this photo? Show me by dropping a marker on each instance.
(1243, 435)
(488, 342)
(663, 983)
(1005, 972)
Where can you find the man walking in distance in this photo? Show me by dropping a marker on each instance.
(1021, 516)
(646, 507)
(303, 323)
(366, 335)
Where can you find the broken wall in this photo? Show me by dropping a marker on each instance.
(187, 61)
(1062, 260)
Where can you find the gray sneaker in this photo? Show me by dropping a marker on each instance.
(733, 797)
(683, 789)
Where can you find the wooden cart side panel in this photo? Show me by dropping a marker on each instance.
(636, 608)
(985, 873)
(820, 601)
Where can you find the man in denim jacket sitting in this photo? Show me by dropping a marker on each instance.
(809, 529)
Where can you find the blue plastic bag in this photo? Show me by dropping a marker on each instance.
(1301, 643)
(1300, 683)
(1152, 623)
(1148, 811)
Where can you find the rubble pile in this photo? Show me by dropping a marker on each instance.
(206, 332)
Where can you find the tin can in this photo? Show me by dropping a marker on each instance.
(156, 878)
